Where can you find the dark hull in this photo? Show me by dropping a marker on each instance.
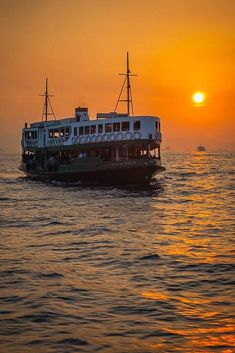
(120, 173)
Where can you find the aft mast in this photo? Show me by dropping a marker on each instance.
(128, 100)
(47, 104)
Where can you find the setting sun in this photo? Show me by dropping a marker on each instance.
(198, 97)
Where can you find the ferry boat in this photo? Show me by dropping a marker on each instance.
(201, 148)
(114, 148)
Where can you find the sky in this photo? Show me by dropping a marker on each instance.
(177, 47)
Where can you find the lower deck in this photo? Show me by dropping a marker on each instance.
(114, 163)
(110, 172)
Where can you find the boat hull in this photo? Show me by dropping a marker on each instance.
(109, 173)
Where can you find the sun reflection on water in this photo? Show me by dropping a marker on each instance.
(121, 271)
(154, 295)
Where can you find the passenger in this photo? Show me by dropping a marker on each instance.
(51, 160)
(51, 163)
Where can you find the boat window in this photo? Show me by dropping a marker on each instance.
(93, 129)
(100, 128)
(157, 125)
(67, 131)
(75, 131)
(81, 130)
(137, 125)
(62, 132)
(108, 127)
(56, 133)
(50, 133)
(87, 130)
(31, 135)
(125, 126)
(116, 127)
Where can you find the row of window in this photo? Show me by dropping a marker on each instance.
(90, 129)
(62, 132)
(101, 128)
(105, 128)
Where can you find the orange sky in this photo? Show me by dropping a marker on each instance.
(176, 47)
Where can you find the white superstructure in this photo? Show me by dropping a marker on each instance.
(81, 130)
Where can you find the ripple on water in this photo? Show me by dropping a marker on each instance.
(114, 270)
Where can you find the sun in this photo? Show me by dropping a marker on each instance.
(198, 97)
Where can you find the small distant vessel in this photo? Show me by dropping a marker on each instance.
(201, 148)
(113, 149)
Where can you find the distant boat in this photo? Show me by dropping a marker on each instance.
(115, 148)
(201, 148)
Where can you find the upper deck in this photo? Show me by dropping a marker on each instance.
(81, 130)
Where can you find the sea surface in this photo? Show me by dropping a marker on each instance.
(118, 270)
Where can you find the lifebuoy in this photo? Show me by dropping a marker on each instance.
(128, 136)
(88, 139)
(98, 138)
(119, 136)
(81, 139)
(93, 139)
(112, 137)
(137, 135)
(104, 137)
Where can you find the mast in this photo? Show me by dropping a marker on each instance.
(47, 104)
(128, 100)
(128, 86)
(46, 100)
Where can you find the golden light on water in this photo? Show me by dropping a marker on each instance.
(154, 295)
(198, 97)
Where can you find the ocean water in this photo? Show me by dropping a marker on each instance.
(115, 270)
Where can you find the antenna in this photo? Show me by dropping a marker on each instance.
(47, 103)
(128, 99)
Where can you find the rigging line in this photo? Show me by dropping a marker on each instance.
(132, 106)
(51, 108)
(123, 85)
(43, 112)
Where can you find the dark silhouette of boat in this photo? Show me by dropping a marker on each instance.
(113, 149)
(201, 148)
